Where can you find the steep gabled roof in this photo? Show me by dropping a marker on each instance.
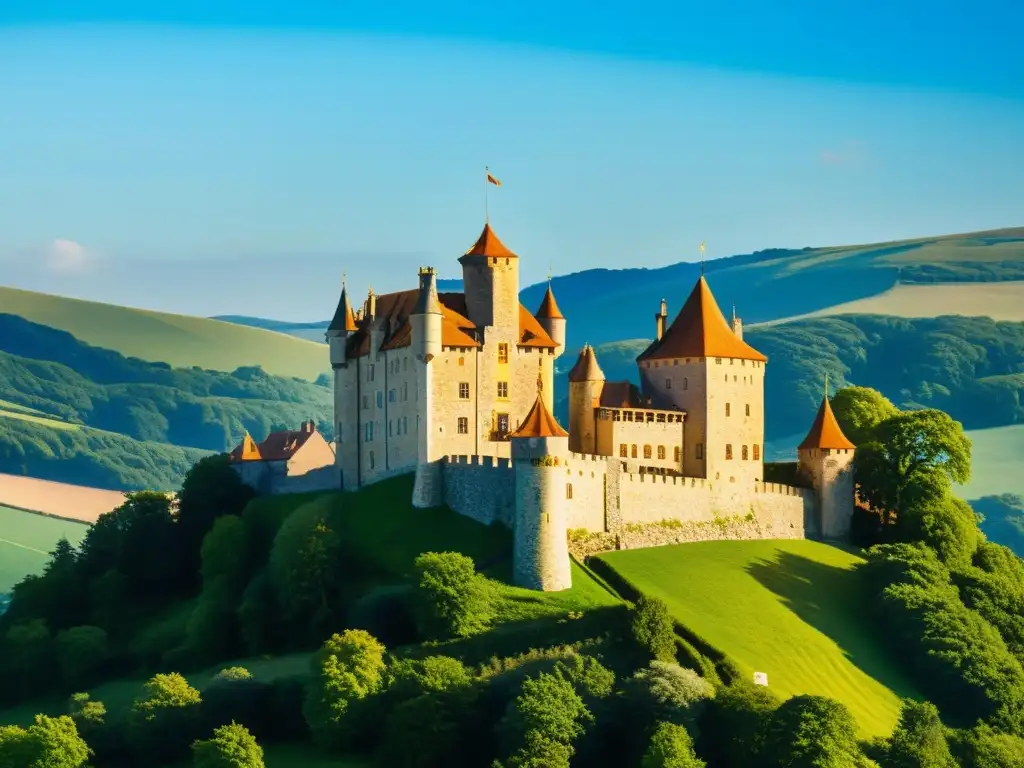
(488, 244)
(620, 394)
(278, 446)
(343, 319)
(539, 422)
(586, 367)
(700, 330)
(247, 450)
(825, 431)
(549, 307)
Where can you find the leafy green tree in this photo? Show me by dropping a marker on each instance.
(259, 616)
(232, 746)
(28, 657)
(433, 730)
(946, 524)
(348, 668)
(407, 678)
(212, 631)
(588, 676)
(812, 732)
(164, 719)
(666, 691)
(919, 740)
(85, 712)
(670, 747)
(735, 722)
(82, 653)
(859, 411)
(50, 742)
(985, 747)
(16, 748)
(913, 456)
(653, 628)
(451, 599)
(226, 552)
(543, 721)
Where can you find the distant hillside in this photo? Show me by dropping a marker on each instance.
(605, 305)
(177, 340)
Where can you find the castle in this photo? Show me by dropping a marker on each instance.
(457, 388)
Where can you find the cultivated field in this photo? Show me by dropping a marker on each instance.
(74, 502)
(786, 608)
(26, 540)
(178, 340)
(1000, 301)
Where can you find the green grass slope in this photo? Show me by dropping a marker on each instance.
(786, 608)
(26, 539)
(177, 340)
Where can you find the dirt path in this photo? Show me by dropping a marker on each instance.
(72, 502)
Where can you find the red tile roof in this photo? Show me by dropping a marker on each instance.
(279, 446)
(586, 367)
(825, 431)
(488, 244)
(700, 330)
(549, 307)
(620, 394)
(539, 423)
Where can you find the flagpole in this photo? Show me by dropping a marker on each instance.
(487, 215)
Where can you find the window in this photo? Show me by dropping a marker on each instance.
(405, 391)
(661, 452)
(568, 490)
(677, 454)
(623, 450)
(757, 452)
(380, 399)
(728, 450)
(371, 459)
(462, 361)
(700, 450)
(503, 390)
(632, 450)
(726, 409)
(366, 402)
(668, 383)
(368, 431)
(389, 427)
(503, 353)
(502, 423)
(647, 451)
(718, 361)
(748, 408)
(464, 390)
(463, 425)
(686, 382)
(392, 395)
(743, 453)
(369, 372)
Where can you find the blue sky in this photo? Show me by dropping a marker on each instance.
(229, 157)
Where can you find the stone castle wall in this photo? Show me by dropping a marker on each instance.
(481, 488)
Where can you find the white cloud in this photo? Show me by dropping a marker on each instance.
(68, 257)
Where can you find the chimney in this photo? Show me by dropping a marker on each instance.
(737, 324)
(659, 319)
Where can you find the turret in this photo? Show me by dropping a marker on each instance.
(490, 280)
(586, 382)
(826, 459)
(660, 318)
(737, 324)
(426, 341)
(342, 325)
(552, 320)
(540, 551)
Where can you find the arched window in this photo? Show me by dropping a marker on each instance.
(728, 450)
(647, 451)
(748, 409)
(568, 490)
(633, 451)
(757, 452)
(661, 452)
(678, 454)
(743, 453)
(727, 409)
(623, 450)
(686, 382)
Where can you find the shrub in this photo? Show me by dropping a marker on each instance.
(50, 742)
(983, 747)
(386, 613)
(432, 730)
(81, 654)
(733, 727)
(232, 746)
(811, 731)
(543, 721)
(670, 747)
(670, 693)
(451, 599)
(165, 718)
(653, 628)
(232, 674)
(919, 740)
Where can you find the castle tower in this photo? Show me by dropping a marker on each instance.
(342, 326)
(490, 279)
(586, 382)
(826, 459)
(540, 550)
(701, 365)
(552, 320)
(426, 342)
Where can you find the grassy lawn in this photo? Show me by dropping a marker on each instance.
(786, 608)
(178, 340)
(26, 540)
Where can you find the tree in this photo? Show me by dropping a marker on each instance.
(212, 631)
(984, 747)
(348, 668)
(670, 747)
(913, 456)
(81, 654)
(735, 722)
(543, 721)
(946, 524)
(918, 740)
(859, 410)
(50, 742)
(451, 599)
(653, 628)
(164, 719)
(812, 732)
(665, 691)
(232, 746)
(226, 553)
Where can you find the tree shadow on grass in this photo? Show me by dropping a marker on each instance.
(831, 600)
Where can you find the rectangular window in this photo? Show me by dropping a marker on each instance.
(503, 424)
(369, 372)
(568, 490)
(623, 450)
(668, 383)
(405, 424)
(748, 409)
(392, 395)
(647, 451)
(366, 402)
(368, 431)
(718, 361)
(757, 452)
(503, 390)
(743, 453)
(632, 450)
(728, 450)
(405, 391)
(686, 382)
(380, 399)
(677, 455)
(464, 390)
(726, 409)
(503, 353)
(661, 452)
(371, 459)
(463, 425)
(700, 450)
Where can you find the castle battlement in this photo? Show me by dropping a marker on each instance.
(587, 457)
(494, 462)
(783, 490)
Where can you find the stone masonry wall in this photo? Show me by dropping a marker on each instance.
(585, 491)
(481, 488)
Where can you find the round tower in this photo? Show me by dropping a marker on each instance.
(552, 320)
(540, 550)
(826, 459)
(342, 325)
(586, 383)
(426, 342)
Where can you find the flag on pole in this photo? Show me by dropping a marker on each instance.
(491, 179)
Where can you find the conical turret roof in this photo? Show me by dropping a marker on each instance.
(586, 368)
(343, 319)
(488, 244)
(825, 431)
(700, 330)
(549, 307)
(539, 422)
